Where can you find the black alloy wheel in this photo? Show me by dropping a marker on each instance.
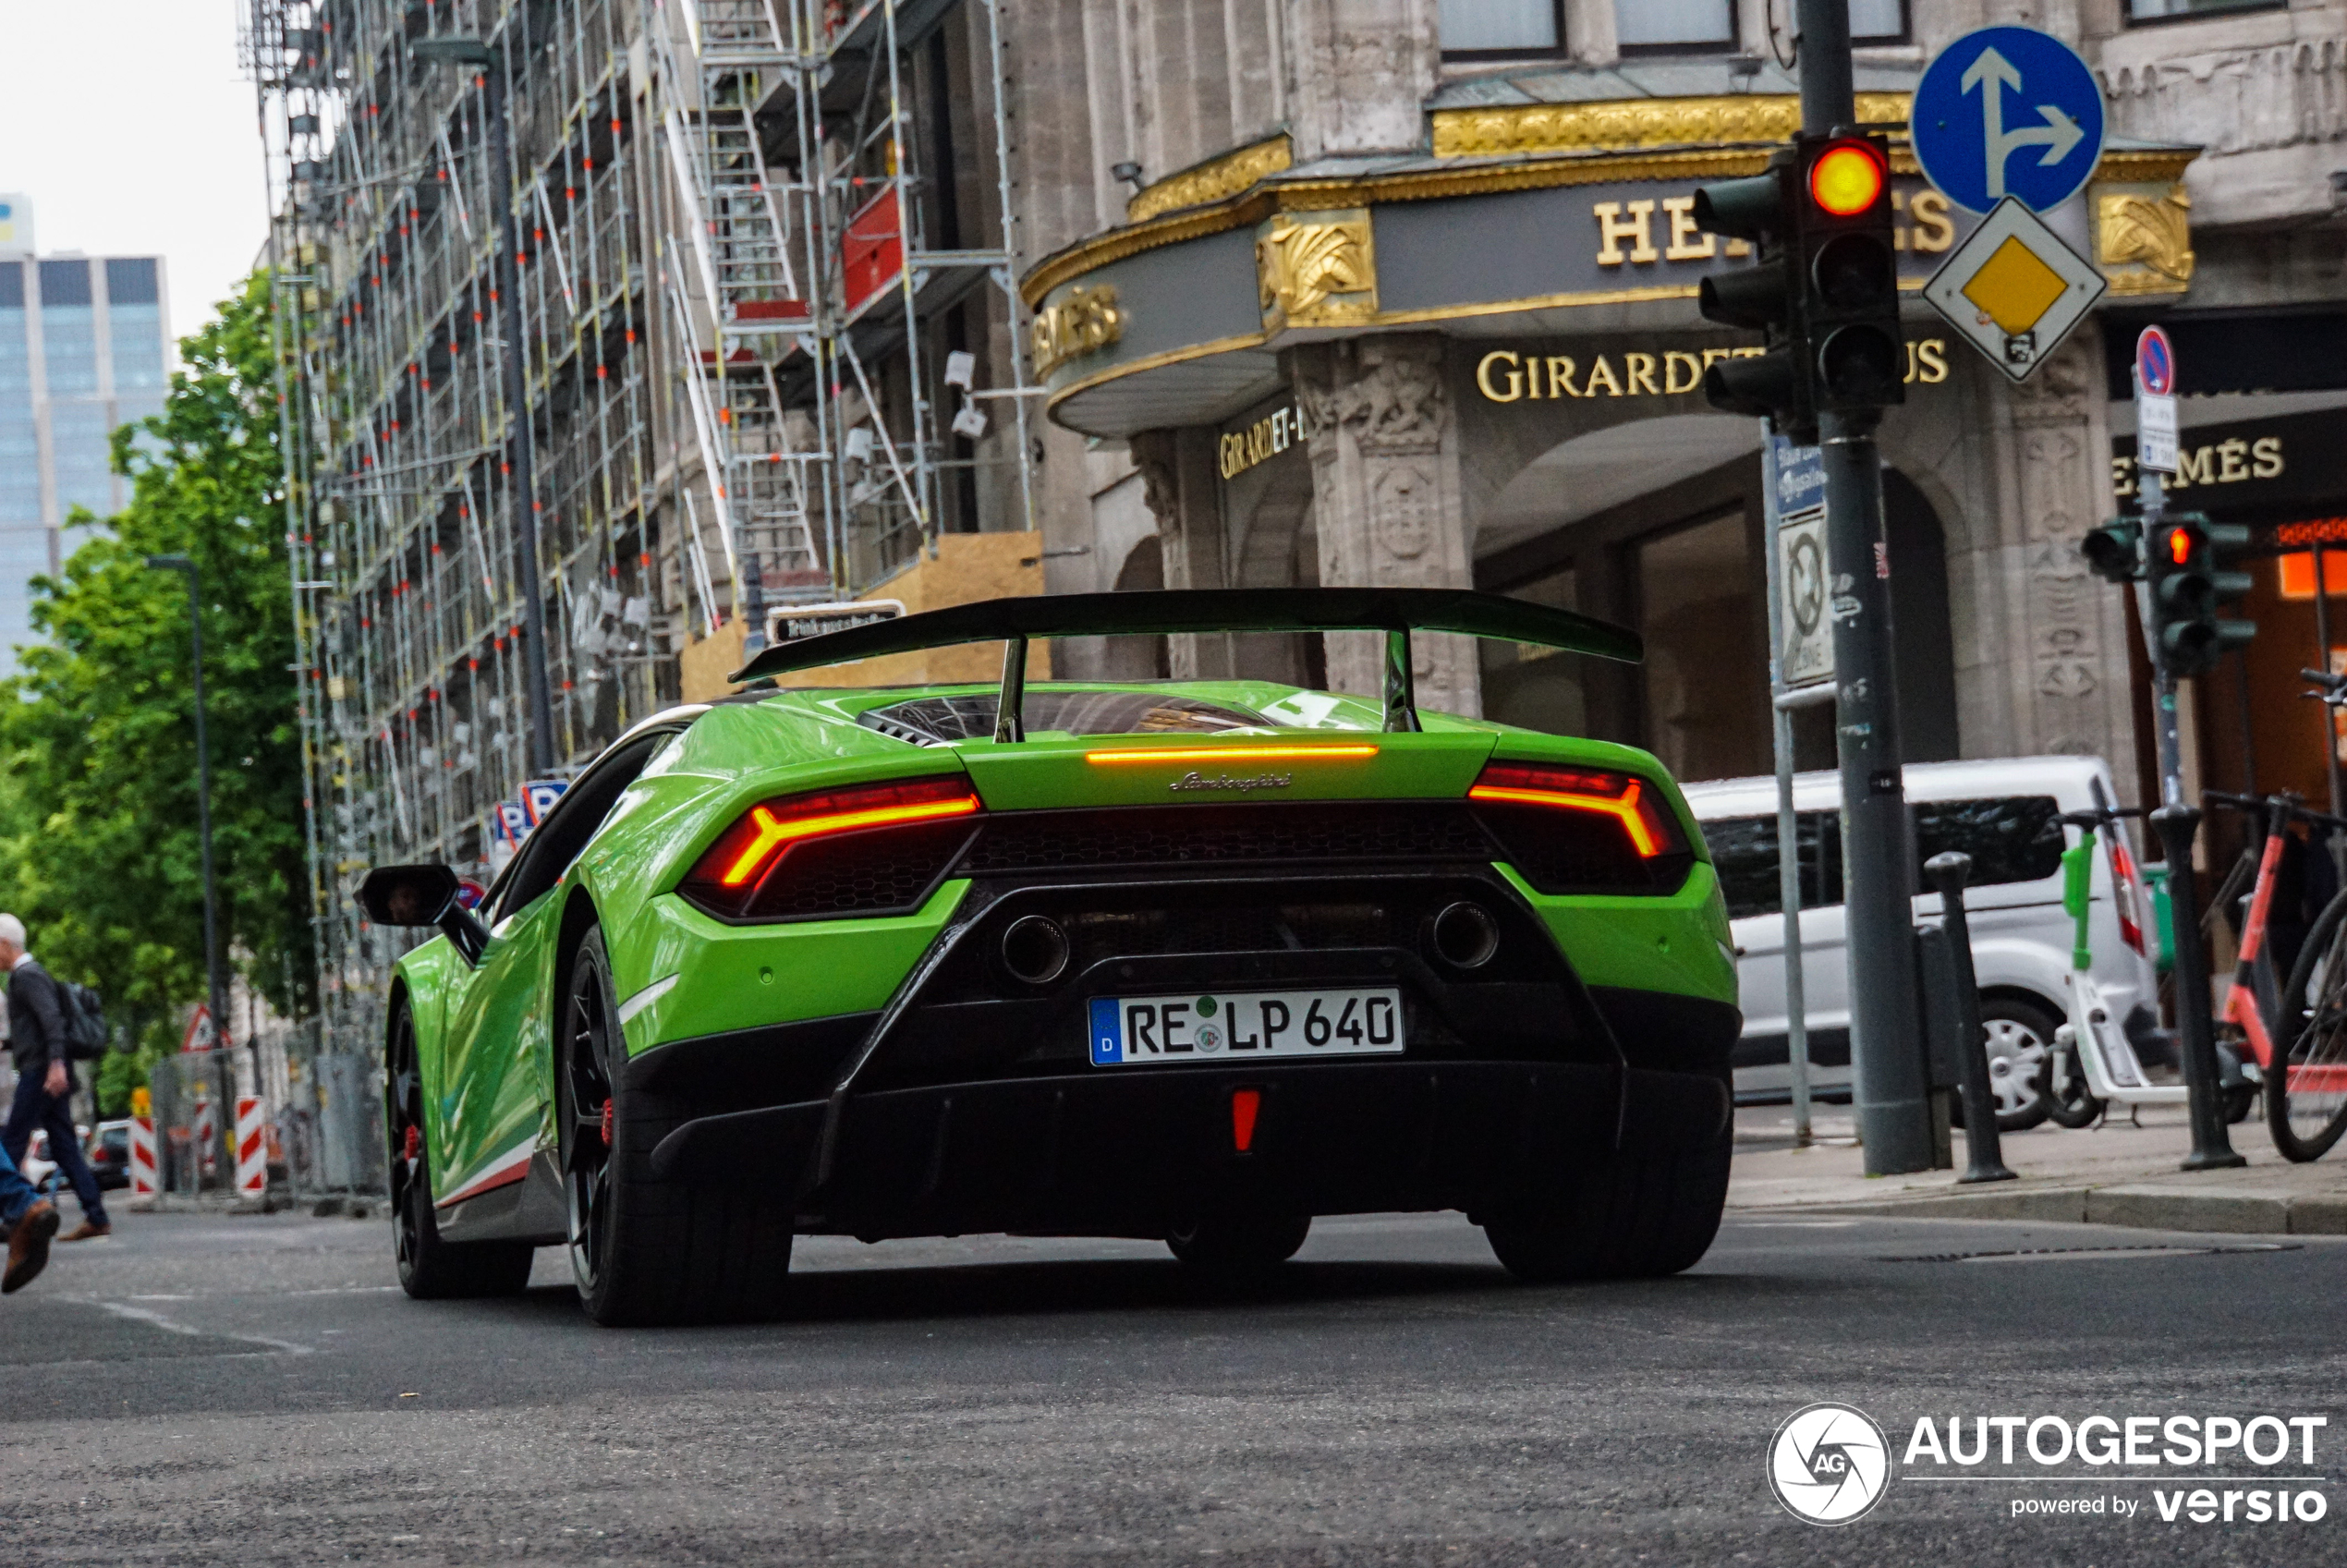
(588, 1112)
(430, 1268)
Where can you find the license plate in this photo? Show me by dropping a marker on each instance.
(1246, 1027)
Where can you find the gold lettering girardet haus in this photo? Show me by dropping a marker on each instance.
(1505, 375)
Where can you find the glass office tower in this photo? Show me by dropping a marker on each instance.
(83, 348)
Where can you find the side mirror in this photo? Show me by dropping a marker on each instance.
(423, 895)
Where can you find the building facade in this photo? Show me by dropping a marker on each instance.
(84, 348)
(1403, 291)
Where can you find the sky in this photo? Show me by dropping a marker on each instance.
(128, 127)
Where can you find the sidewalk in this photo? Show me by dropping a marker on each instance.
(2115, 1174)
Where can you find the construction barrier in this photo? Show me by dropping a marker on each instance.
(145, 1181)
(253, 1150)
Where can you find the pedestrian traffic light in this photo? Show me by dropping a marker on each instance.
(2114, 551)
(1762, 210)
(1850, 272)
(2188, 589)
(1824, 290)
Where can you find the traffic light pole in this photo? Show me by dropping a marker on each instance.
(2178, 823)
(1889, 1090)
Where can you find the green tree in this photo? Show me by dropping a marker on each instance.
(99, 848)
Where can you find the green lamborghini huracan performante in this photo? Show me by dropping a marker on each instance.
(1195, 961)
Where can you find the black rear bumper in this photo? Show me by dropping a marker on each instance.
(1130, 1151)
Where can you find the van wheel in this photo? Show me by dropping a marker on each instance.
(2021, 1042)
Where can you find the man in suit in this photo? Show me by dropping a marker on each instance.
(44, 1077)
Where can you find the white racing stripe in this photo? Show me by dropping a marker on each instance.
(645, 998)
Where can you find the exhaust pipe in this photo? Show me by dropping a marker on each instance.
(1035, 950)
(1465, 936)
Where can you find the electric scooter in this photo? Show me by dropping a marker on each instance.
(2093, 1039)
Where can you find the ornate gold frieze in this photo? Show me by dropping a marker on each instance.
(1618, 125)
(2143, 240)
(1316, 272)
(1210, 181)
(1088, 319)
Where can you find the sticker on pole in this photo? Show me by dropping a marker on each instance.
(2007, 113)
(2014, 290)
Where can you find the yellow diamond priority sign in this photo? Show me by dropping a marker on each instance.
(2014, 290)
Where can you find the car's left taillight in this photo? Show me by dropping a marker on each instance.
(869, 849)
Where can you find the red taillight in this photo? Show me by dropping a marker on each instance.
(2123, 895)
(1624, 799)
(734, 876)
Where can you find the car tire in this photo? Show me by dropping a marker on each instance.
(430, 1268)
(1640, 1217)
(2021, 1042)
(646, 1251)
(1237, 1245)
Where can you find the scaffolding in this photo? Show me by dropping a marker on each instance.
(767, 352)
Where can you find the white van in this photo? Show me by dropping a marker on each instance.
(2006, 814)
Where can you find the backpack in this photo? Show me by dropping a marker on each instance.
(85, 1018)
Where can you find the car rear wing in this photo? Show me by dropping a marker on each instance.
(1396, 611)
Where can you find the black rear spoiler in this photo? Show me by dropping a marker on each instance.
(1397, 612)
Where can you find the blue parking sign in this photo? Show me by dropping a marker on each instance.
(2007, 111)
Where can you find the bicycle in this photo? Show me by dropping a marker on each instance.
(2306, 1088)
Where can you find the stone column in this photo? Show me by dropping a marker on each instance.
(1387, 499)
(1183, 491)
(2076, 699)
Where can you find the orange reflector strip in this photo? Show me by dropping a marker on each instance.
(1233, 754)
(1622, 808)
(772, 830)
(1244, 1105)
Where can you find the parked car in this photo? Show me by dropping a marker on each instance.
(109, 1146)
(2006, 814)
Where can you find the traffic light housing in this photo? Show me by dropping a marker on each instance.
(2114, 551)
(1850, 272)
(2189, 587)
(1762, 210)
(1824, 290)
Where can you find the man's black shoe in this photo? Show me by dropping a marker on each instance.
(28, 1247)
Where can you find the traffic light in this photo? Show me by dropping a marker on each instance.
(2188, 589)
(1824, 290)
(2114, 551)
(1850, 272)
(1762, 210)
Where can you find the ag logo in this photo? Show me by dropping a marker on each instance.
(1828, 1464)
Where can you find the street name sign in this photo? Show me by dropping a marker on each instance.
(2007, 113)
(2014, 290)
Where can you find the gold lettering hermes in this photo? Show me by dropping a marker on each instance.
(1628, 230)
(1087, 320)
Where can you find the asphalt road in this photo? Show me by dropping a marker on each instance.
(250, 1390)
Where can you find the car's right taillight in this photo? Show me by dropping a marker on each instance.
(2125, 887)
(866, 850)
(1582, 829)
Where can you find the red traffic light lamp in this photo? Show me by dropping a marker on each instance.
(1847, 177)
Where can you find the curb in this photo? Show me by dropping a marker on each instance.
(2140, 1207)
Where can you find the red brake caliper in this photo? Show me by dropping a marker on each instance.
(606, 1123)
(412, 1144)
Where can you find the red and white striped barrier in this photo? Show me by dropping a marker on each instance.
(253, 1150)
(207, 1139)
(144, 1182)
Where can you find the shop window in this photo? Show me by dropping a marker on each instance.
(1878, 21)
(1501, 29)
(1706, 683)
(1537, 687)
(2183, 10)
(1675, 24)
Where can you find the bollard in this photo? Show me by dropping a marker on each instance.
(252, 1159)
(143, 1185)
(1984, 1159)
(2212, 1147)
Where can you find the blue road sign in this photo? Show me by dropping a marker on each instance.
(2007, 111)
